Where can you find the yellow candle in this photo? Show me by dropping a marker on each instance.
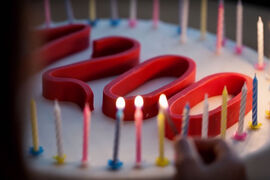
(224, 113)
(163, 104)
(92, 10)
(203, 19)
(34, 125)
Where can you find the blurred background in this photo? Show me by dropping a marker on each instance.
(169, 13)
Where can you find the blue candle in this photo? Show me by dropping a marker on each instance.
(115, 163)
(254, 101)
(185, 120)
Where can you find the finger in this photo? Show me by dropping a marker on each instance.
(185, 150)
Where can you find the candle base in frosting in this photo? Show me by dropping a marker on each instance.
(114, 22)
(254, 127)
(132, 23)
(267, 113)
(238, 50)
(260, 67)
(60, 160)
(162, 162)
(115, 165)
(240, 137)
(33, 152)
(92, 23)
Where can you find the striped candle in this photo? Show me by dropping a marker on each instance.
(239, 27)
(155, 13)
(185, 120)
(133, 13)
(184, 21)
(69, 11)
(47, 13)
(205, 117)
(242, 110)
(254, 101)
(220, 27)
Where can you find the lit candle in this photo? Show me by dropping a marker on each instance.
(155, 13)
(184, 21)
(138, 116)
(115, 163)
(86, 124)
(60, 157)
(92, 13)
(69, 11)
(163, 104)
(203, 19)
(205, 117)
(185, 120)
(47, 13)
(133, 13)
(267, 111)
(239, 27)
(220, 27)
(36, 149)
(223, 124)
(114, 13)
(240, 135)
(254, 124)
(260, 65)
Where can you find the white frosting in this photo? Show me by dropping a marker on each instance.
(154, 42)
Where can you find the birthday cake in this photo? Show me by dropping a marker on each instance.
(143, 44)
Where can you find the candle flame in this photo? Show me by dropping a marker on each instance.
(163, 103)
(138, 101)
(120, 103)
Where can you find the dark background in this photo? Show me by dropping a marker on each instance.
(169, 13)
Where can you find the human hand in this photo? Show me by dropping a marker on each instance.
(206, 159)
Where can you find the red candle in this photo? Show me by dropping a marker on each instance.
(86, 123)
(138, 116)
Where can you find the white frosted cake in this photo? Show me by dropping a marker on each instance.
(154, 42)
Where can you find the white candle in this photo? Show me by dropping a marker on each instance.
(133, 13)
(260, 43)
(114, 9)
(239, 27)
(242, 110)
(205, 117)
(58, 127)
(184, 20)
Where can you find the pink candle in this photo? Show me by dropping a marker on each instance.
(220, 25)
(155, 13)
(138, 116)
(86, 123)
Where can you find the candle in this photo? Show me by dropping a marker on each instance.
(60, 157)
(138, 116)
(133, 13)
(184, 21)
(239, 27)
(155, 13)
(163, 104)
(185, 120)
(86, 124)
(203, 18)
(254, 124)
(223, 124)
(114, 13)
(205, 117)
(47, 13)
(92, 13)
(220, 27)
(115, 163)
(240, 135)
(69, 11)
(36, 149)
(260, 65)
